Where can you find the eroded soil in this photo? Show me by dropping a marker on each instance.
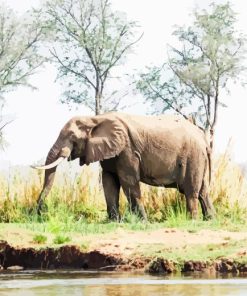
(128, 250)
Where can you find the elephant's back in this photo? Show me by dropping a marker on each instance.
(169, 131)
(166, 124)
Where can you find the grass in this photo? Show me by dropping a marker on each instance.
(75, 212)
(210, 252)
(40, 239)
(61, 239)
(76, 202)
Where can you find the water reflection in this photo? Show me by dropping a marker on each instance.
(36, 283)
(158, 290)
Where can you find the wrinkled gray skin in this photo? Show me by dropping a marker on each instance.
(164, 150)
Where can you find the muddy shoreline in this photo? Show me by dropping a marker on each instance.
(71, 257)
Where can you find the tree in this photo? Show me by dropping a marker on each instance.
(19, 57)
(196, 74)
(91, 40)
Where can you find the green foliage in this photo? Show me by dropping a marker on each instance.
(91, 40)
(20, 37)
(85, 246)
(211, 53)
(62, 219)
(79, 206)
(61, 239)
(39, 239)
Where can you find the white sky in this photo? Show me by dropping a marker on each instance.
(40, 116)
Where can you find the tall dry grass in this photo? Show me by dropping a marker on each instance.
(80, 194)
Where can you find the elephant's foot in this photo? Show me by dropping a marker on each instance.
(209, 215)
(41, 207)
(141, 211)
(114, 216)
(208, 210)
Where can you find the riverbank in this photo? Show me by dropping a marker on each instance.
(163, 250)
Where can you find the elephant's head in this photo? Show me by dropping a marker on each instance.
(88, 138)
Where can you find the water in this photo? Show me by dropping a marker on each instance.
(71, 283)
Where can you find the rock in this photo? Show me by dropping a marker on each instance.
(227, 266)
(161, 265)
(242, 267)
(3, 245)
(190, 266)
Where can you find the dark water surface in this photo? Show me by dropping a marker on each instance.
(71, 283)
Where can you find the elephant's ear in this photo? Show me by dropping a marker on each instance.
(106, 140)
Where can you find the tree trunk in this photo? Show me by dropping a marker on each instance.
(97, 103)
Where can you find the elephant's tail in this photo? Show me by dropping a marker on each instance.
(209, 154)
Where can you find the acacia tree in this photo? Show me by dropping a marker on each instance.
(197, 73)
(91, 40)
(19, 57)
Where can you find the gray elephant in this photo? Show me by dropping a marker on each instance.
(165, 150)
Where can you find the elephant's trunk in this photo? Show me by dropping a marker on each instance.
(54, 154)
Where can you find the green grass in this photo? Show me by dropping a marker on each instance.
(66, 223)
(77, 204)
(83, 235)
(39, 239)
(75, 212)
(210, 252)
(61, 239)
(85, 246)
(60, 217)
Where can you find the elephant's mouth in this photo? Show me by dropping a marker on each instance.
(75, 155)
(82, 160)
(72, 156)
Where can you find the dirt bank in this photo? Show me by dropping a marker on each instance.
(155, 251)
(72, 257)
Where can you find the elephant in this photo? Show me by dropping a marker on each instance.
(165, 150)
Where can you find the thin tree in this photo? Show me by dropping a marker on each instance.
(91, 40)
(198, 73)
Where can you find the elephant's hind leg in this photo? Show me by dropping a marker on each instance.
(208, 210)
(111, 187)
(191, 192)
(194, 174)
(192, 205)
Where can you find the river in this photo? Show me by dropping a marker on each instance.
(73, 283)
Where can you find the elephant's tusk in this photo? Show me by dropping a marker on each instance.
(51, 165)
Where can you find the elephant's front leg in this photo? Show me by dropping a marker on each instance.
(128, 169)
(111, 187)
(133, 193)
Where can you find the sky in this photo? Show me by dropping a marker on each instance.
(39, 115)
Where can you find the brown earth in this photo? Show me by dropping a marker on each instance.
(127, 242)
(122, 250)
(71, 257)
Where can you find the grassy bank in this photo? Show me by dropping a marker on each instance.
(77, 203)
(75, 214)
